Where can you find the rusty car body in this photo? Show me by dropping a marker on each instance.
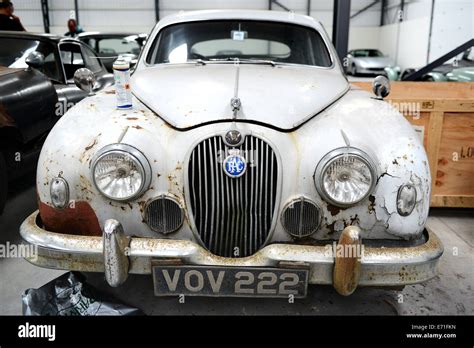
(247, 159)
(36, 88)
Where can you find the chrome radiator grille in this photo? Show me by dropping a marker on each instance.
(233, 216)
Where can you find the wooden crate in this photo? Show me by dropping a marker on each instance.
(446, 119)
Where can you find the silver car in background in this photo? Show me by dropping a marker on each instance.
(367, 61)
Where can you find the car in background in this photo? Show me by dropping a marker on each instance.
(461, 75)
(367, 61)
(111, 45)
(36, 88)
(459, 70)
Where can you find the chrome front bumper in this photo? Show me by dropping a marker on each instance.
(119, 255)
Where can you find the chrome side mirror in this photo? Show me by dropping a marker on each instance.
(381, 86)
(85, 80)
(35, 60)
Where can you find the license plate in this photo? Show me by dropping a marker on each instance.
(229, 281)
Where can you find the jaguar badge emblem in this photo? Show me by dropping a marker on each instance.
(233, 137)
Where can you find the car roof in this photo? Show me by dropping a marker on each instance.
(100, 34)
(365, 49)
(27, 35)
(37, 36)
(278, 16)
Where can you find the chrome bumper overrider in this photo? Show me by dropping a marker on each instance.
(118, 255)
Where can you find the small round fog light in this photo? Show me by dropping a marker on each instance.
(59, 191)
(406, 200)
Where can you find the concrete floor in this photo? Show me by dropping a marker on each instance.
(450, 293)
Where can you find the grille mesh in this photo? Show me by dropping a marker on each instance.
(233, 216)
(301, 218)
(164, 215)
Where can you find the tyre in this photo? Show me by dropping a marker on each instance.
(354, 70)
(406, 72)
(3, 183)
(347, 69)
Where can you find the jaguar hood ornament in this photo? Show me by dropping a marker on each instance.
(235, 102)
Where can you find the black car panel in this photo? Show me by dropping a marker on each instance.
(29, 99)
(33, 99)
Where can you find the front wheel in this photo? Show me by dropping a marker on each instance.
(3, 183)
(354, 70)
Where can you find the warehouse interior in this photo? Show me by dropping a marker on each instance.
(426, 30)
(413, 34)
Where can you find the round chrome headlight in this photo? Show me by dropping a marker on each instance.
(121, 172)
(345, 176)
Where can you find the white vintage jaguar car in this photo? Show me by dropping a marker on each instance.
(248, 166)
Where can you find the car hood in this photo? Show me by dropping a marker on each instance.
(374, 62)
(284, 96)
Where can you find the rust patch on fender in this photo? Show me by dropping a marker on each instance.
(333, 209)
(371, 204)
(142, 205)
(91, 145)
(331, 227)
(79, 220)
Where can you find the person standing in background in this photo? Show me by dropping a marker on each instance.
(74, 29)
(8, 21)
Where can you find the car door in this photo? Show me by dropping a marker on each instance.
(74, 56)
(71, 60)
(27, 96)
(94, 64)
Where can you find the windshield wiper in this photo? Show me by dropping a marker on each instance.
(199, 61)
(244, 60)
(232, 59)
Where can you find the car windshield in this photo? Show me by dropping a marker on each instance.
(238, 39)
(115, 45)
(13, 53)
(367, 53)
